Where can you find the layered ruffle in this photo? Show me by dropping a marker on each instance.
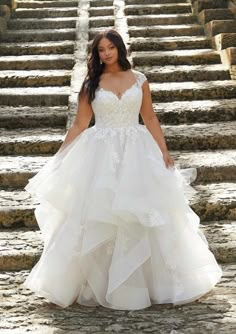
(117, 226)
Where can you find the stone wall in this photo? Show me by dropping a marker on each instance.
(219, 20)
(6, 7)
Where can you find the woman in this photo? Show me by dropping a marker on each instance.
(115, 219)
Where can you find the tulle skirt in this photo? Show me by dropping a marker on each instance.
(116, 225)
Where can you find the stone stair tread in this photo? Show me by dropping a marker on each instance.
(37, 73)
(20, 32)
(185, 68)
(165, 26)
(31, 135)
(18, 244)
(215, 309)
(167, 39)
(212, 194)
(191, 85)
(173, 53)
(193, 105)
(50, 3)
(217, 158)
(46, 90)
(201, 129)
(46, 19)
(28, 44)
(159, 5)
(27, 58)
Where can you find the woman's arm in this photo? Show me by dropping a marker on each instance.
(81, 122)
(152, 123)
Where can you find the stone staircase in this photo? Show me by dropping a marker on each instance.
(195, 101)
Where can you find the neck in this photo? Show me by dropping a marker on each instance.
(112, 68)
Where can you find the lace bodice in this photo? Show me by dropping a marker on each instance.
(112, 111)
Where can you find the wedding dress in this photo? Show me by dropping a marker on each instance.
(116, 224)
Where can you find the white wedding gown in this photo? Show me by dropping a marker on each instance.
(116, 224)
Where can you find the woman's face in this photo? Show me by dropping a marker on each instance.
(107, 51)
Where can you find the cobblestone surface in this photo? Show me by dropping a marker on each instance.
(24, 312)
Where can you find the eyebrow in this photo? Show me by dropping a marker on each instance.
(111, 44)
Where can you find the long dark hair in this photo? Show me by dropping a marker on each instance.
(95, 69)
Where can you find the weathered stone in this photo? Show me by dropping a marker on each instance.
(35, 35)
(208, 15)
(96, 22)
(35, 96)
(45, 12)
(31, 141)
(158, 9)
(228, 56)
(39, 48)
(166, 30)
(176, 57)
(101, 11)
(215, 166)
(216, 27)
(193, 90)
(201, 136)
(169, 43)
(214, 201)
(35, 78)
(162, 19)
(184, 73)
(201, 111)
(26, 312)
(46, 23)
(36, 62)
(21, 248)
(45, 4)
(224, 41)
(199, 5)
(33, 117)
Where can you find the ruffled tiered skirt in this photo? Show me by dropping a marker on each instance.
(117, 227)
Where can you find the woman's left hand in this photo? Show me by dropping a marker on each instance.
(169, 161)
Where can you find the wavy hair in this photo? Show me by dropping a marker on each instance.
(95, 69)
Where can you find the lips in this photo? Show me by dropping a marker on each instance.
(108, 58)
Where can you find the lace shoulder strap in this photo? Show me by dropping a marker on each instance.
(141, 78)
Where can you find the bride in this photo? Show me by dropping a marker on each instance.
(114, 210)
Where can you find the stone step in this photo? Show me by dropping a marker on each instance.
(39, 48)
(208, 15)
(35, 96)
(37, 62)
(166, 30)
(101, 3)
(94, 31)
(33, 117)
(44, 4)
(38, 35)
(212, 166)
(206, 111)
(101, 11)
(202, 90)
(201, 136)
(31, 141)
(176, 57)
(47, 23)
(172, 8)
(180, 73)
(35, 78)
(154, 2)
(198, 136)
(96, 22)
(36, 315)
(168, 19)
(45, 12)
(169, 43)
(213, 201)
(21, 248)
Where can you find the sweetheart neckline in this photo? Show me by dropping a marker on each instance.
(110, 91)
